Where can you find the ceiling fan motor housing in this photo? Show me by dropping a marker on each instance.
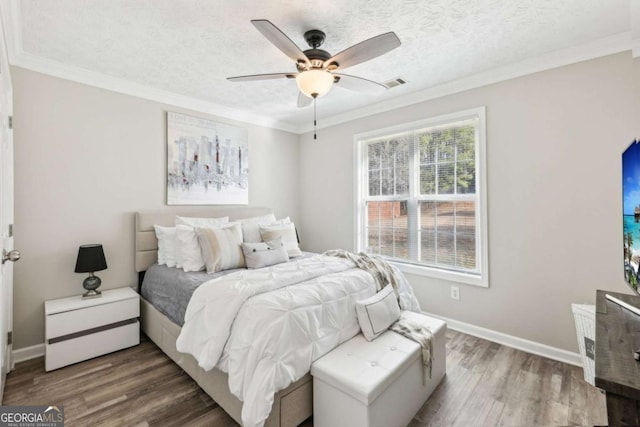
(314, 38)
(316, 56)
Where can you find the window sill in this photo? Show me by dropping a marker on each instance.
(453, 276)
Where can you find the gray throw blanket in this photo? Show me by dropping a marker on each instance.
(423, 336)
(383, 275)
(376, 266)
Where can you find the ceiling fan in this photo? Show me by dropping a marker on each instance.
(317, 69)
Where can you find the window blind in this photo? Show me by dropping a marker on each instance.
(420, 199)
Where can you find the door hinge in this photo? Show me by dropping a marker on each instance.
(9, 337)
(10, 122)
(10, 230)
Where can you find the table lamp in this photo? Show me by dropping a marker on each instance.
(91, 259)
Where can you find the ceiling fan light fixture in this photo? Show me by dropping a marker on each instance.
(314, 83)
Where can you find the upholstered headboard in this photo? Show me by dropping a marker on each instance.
(146, 242)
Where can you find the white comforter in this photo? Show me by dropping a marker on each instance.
(265, 327)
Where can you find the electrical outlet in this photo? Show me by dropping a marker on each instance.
(455, 292)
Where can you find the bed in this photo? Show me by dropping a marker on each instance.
(292, 404)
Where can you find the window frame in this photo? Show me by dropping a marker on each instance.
(481, 221)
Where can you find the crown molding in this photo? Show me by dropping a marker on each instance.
(103, 81)
(595, 49)
(10, 11)
(634, 17)
(10, 15)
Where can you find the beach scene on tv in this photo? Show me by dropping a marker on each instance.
(631, 213)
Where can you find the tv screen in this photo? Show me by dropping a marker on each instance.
(631, 213)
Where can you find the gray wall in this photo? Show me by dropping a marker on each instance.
(85, 160)
(554, 144)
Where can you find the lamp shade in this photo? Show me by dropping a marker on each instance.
(90, 259)
(314, 83)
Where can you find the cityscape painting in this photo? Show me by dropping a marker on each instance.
(207, 162)
(631, 213)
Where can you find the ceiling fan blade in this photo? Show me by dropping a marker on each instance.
(359, 84)
(303, 100)
(262, 77)
(364, 51)
(280, 40)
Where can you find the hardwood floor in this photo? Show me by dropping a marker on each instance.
(487, 384)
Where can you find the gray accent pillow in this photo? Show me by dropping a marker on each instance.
(264, 254)
(377, 313)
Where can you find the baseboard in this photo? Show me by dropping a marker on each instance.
(511, 341)
(28, 353)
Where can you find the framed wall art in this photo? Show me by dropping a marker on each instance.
(207, 162)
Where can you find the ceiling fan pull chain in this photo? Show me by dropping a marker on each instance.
(314, 118)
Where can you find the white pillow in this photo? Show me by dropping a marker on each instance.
(285, 220)
(191, 249)
(264, 254)
(166, 245)
(251, 229)
(287, 232)
(190, 255)
(221, 247)
(377, 313)
(202, 222)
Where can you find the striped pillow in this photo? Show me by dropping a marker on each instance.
(221, 247)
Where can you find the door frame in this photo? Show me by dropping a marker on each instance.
(6, 208)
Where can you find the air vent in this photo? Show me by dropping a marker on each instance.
(395, 82)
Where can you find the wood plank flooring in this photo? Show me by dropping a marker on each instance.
(487, 384)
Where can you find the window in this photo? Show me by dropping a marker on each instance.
(421, 196)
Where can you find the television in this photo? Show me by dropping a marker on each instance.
(631, 214)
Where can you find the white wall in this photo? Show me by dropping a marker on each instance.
(85, 160)
(554, 144)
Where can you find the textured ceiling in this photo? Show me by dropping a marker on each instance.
(189, 47)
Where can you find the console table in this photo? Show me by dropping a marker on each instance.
(617, 372)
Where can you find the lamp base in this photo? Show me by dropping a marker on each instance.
(91, 284)
(92, 294)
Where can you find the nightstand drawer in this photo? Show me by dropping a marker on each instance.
(69, 322)
(75, 350)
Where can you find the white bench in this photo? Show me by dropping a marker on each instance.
(377, 383)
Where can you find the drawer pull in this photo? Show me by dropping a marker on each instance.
(91, 331)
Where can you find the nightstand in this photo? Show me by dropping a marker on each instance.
(78, 329)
